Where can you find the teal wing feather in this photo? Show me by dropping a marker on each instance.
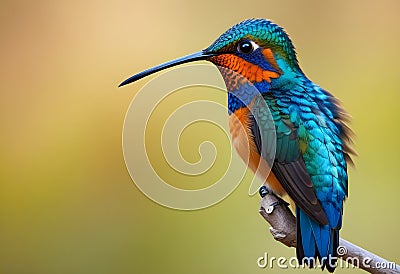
(288, 167)
(312, 150)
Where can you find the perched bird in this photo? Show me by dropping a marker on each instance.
(313, 141)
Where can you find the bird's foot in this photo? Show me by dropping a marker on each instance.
(264, 191)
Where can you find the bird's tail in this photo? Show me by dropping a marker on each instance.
(316, 241)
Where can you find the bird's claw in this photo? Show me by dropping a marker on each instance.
(264, 191)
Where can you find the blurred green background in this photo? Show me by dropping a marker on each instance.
(67, 203)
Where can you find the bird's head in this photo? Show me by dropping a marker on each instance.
(257, 49)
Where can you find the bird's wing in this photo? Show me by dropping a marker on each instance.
(288, 166)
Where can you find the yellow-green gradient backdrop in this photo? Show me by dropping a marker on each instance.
(67, 203)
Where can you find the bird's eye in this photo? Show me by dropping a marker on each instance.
(246, 47)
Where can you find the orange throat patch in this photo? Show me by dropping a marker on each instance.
(233, 67)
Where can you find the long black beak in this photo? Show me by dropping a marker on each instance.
(201, 55)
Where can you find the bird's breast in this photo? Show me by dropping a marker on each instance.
(240, 124)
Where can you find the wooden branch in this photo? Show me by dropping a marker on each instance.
(283, 229)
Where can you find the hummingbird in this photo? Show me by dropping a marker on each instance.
(313, 139)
